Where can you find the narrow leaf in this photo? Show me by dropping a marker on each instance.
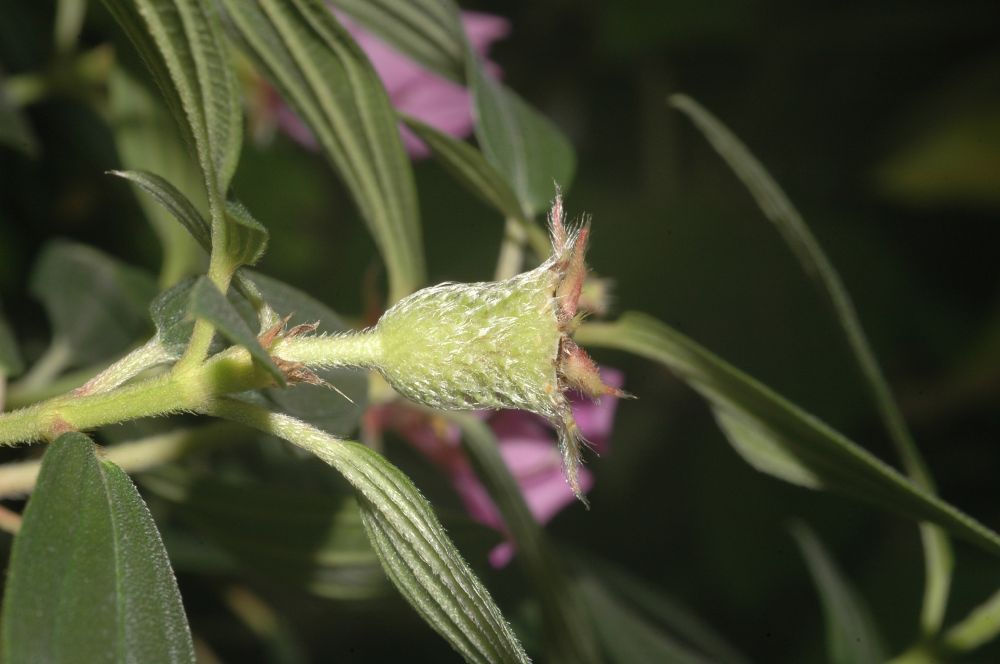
(96, 303)
(323, 74)
(207, 302)
(851, 637)
(777, 207)
(425, 30)
(89, 580)
(181, 43)
(981, 626)
(782, 436)
(147, 140)
(174, 202)
(408, 538)
(519, 141)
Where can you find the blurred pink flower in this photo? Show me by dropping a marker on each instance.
(414, 90)
(527, 444)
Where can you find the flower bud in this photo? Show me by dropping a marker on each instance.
(502, 344)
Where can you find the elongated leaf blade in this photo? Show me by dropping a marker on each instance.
(248, 238)
(778, 208)
(181, 43)
(89, 580)
(851, 636)
(783, 437)
(530, 151)
(425, 30)
(96, 303)
(207, 302)
(173, 201)
(328, 80)
(415, 552)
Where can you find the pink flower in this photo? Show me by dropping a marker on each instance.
(527, 444)
(414, 90)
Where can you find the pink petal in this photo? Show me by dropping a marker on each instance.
(484, 29)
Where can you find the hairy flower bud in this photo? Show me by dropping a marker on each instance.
(502, 344)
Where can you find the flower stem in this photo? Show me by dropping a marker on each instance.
(354, 349)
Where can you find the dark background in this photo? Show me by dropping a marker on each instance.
(882, 123)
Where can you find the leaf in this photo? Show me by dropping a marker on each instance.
(174, 202)
(170, 312)
(851, 637)
(147, 141)
(15, 131)
(569, 631)
(519, 141)
(656, 612)
(181, 43)
(323, 74)
(414, 550)
(247, 240)
(628, 638)
(981, 626)
(776, 436)
(319, 405)
(96, 303)
(11, 363)
(207, 302)
(296, 537)
(780, 211)
(425, 30)
(89, 580)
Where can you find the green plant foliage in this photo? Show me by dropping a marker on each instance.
(96, 304)
(851, 636)
(777, 437)
(91, 583)
(15, 132)
(780, 211)
(207, 302)
(326, 77)
(148, 143)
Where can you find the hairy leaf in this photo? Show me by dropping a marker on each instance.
(174, 202)
(779, 438)
(323, 74)
(89, 580)
(415, 551)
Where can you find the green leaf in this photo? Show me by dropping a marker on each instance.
(323, 74)
(519, 141)
(89, 580)
(981, 626)
(569, 632)
(181, 43)
(779, 210)
(207, 301)
(147, 141)
(171, 314)
(15, 131)
(302, 538)
(425, 30)
(247, 237)
(652, 610)
(776, 436)
(851, 636)
(174, 202)
(11, 363)
(319, 405)
(627, 637)
(414, 550)
(96, 303)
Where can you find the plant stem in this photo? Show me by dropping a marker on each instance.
(144, 357)
(354, 349)
(46, 368)
(511, 257)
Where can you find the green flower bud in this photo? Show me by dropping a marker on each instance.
(502, 344)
